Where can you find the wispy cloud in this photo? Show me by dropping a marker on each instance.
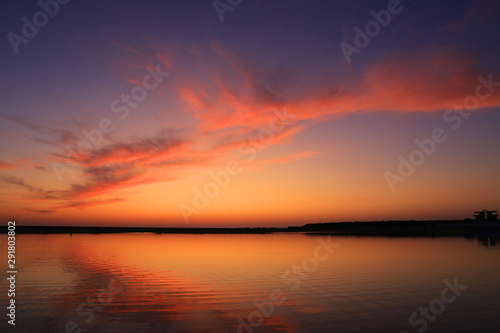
(89, 203)
(229, 100)
(6, 165)
(41, 211)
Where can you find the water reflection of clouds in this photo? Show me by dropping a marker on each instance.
(206, 288)
(156, 299)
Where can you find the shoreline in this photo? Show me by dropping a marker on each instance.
(374, 228)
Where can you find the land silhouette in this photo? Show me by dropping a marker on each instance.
(423, 228)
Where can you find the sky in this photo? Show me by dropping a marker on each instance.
(247, 113)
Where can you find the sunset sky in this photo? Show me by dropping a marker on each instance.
(122, 113)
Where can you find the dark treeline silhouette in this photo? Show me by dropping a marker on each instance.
(376, 228)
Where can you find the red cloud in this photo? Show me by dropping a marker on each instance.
(426, 81)
(231, 102)
(429, 81)
(6, 166)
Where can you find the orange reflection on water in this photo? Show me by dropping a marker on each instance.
(205, 283)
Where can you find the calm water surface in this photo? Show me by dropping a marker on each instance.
(217, 283)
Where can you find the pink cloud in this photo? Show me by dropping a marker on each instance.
(230, 101)
(6, 166)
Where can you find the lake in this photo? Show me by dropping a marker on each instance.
(253, 283)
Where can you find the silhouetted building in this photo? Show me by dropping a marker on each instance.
(492, 215)
(480, 216)
(486, 215)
